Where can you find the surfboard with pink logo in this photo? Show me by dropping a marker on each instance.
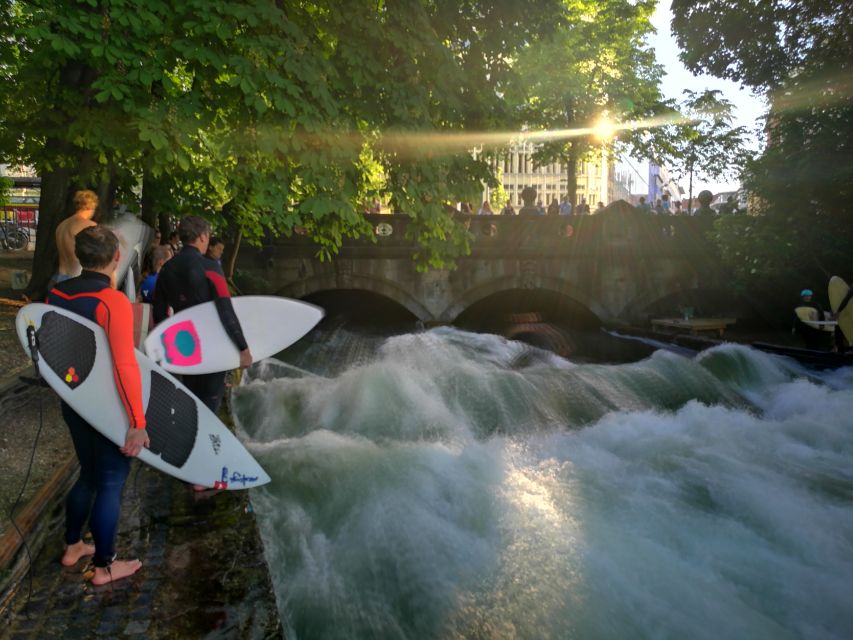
(194, 341)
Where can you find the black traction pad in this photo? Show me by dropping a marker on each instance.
(172, 421)
(67, 347)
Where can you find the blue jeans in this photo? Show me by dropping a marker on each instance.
(103, 471)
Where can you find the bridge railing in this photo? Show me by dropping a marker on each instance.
(540, 235)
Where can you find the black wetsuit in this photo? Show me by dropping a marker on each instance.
(814, 338)
(184, 281)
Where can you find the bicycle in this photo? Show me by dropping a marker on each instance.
(13, 237)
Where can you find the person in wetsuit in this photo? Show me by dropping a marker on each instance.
(103, 465)
(813, 338)
(189, 279)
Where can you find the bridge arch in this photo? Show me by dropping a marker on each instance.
(352, 282)
(528, 282)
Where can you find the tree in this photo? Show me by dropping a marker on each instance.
(257, 113)
(799, 54)
(702, 140)
(598, 67)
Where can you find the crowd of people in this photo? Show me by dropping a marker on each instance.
(181, 272)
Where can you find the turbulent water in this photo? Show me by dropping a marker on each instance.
(446, 484)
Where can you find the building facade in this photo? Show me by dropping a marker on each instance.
(597, 180)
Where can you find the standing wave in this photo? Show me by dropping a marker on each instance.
(440, 490)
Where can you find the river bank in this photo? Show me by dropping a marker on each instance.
(204, 572)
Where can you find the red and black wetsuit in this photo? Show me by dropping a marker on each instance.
(189, 279)
(91, 296)
(103, 468)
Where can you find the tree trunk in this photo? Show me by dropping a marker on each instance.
(149, 199)
(572, 176)
(690, 194)
(232, 248)
(53, 208)
(59, 182)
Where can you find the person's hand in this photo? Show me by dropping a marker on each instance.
(245, 359)
(134, 442)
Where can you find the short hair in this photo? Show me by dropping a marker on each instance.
(191, 227)
(160, 252)
(215, 240)
(95, 247)
(85, 199)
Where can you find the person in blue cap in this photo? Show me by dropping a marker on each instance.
(814, 338)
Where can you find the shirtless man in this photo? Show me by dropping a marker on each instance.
(85, 203)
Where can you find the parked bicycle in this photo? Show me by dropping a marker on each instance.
(13, 237)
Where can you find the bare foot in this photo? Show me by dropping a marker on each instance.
(116, 571)
(73, 553)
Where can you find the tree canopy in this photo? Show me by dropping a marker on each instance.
(268, 116)
(799, 54)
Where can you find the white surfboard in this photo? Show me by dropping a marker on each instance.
(838, 289)
(187, 440)
(134, 236)
(194, 341)
(808, 316)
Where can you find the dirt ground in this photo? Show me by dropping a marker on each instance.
(20, 417)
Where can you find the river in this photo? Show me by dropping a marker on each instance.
(446, 484)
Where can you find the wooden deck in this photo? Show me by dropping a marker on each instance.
(694, 325)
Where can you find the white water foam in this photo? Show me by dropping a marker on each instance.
(437, 492)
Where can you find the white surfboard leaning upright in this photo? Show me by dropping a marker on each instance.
(187, 440)
(194, 341)
(134, 237)
(838, 289)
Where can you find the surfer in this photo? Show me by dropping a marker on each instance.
(85, 203)
(103, 466)
(813, 338)
(189, 279)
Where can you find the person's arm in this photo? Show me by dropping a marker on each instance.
(115, 315)
(225, 309)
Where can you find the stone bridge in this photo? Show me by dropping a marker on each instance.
(614, 263)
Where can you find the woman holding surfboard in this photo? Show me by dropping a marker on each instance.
(96, 496)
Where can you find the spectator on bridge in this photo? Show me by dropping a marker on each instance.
(553, 208)
(678, 210)
(600, 207)
(664, 201)
(528, 196)
(486, 209)
(583, 207)
(540, 208)
(464, 208)
(565, 207)
(508, 210)
(658, 207)
(644, 206)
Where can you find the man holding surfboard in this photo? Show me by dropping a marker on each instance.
(190, 279)
(103, 466)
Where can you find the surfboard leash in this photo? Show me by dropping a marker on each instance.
(32, 343)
